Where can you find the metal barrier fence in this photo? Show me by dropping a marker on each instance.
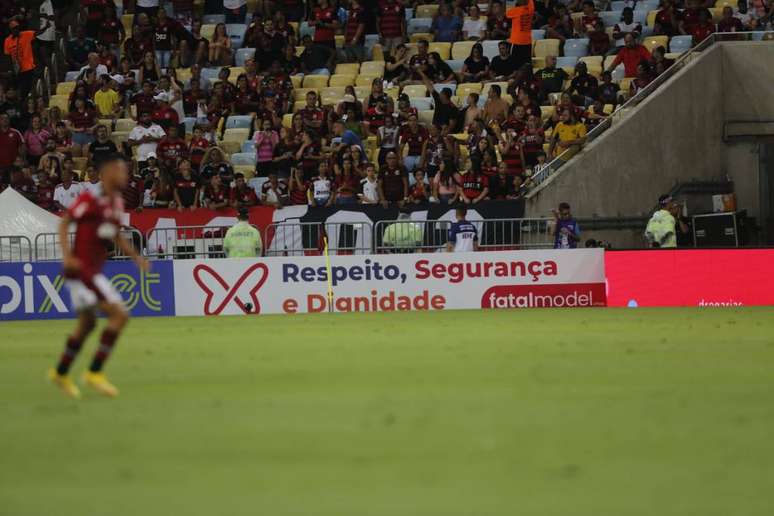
(511, 234)
(186, 242)
(307, 238)
(410, 236)
(47, 245)
(15, 249)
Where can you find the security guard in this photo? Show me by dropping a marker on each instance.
(242, 240)
(660, 231)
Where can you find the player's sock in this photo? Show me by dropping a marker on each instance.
(106, 342)
(72, 347)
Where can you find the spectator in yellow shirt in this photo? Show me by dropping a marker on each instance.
(567, 133)
(107, 99)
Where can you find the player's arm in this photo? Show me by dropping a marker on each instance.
(129, 250)
(69, 262)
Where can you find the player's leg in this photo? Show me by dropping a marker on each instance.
(112, 305)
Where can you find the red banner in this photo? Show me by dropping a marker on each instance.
(145, 220)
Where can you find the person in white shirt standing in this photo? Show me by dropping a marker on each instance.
(236, 11)
(67, 191)
(47, 38)
(463, 235)
(370, 187)
(145, 136)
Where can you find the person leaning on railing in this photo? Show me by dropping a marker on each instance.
(569, 132)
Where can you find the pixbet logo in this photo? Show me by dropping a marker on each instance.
(38, 290)
(219, 293)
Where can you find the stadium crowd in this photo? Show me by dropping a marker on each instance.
(233, 103)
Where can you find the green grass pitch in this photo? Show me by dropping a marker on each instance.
(542, 412)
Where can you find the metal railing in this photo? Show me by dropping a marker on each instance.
(410, 236)
(621, 111)
(15, 249)
(184, 242)
(307, 238)
(513, 234)
(47, 246)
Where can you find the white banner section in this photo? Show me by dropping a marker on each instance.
(390, 282)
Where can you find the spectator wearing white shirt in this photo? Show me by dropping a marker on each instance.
(46, 38)
(236, 10)
(370, 187)
(93, 64)
(145, 136)
(93, 185)
(474, 26)
(67, 191)
(627, 25)
(321, 193)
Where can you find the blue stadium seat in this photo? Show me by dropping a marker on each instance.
(491, 48)
(610, 18)
(211, 74)
(305, 30)
(641, 17)
(71, 76)
(213, 19)
(421, 103)
(566, 61)
(680, 43)
(243, 158)
(236, 31)
(239, 122)
(576, 47)
(617, 6)
(440, 87)
(371, 40)
(415, 25)
(455, 64)
(248, 146)
(647, 6)
(189, 122)
(243, 54)
(538, 34)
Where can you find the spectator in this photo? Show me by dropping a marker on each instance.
(474, 26)
(566, 228)
(79, 48)
(220, 47)
(110, 32)
(45, 198)
(463, 236)
(393, 181)
(630, 55)
(396, 65)
(312, 116)
(559, 24)
(242, 240)
(702, 28)
(21, 181)
(599, 41)
(446, 114)
(439, 70)
(627, 26)
(215, 196)
(67, 191)
(744, 16)
(274, 192)
(369, 186)
(412, 136)
(325, 23)
(346, 185)
(660, 231)
(476, 66)
(511, 151)
(531, 140)
(133, 193)
(18, 45)
(63, 139)
(151, 170)
(551, 79)
(91, 182)
(520, 31)
(145, 136)
(391, 24)
(171, 149)
(588, 22)
(497, 25)
(471, 112)
(644, 77)
(215, 162)
(446, 27)
(503, 65)
(283, 158)
(298, 188)
(659, 61)
(164, 115)
(47, 38)
(93, 65)
(608, 90)
(595, 115)
(446, 183)
(197, 147)
(420, 191)
(308, 155)
(474, 187)
(149, 69)
(667, 20)
(144, 100)
(164, 30)
(102, 146)
(81, 122)
(387, 138)
(50, 165)
(236, 10)
(354, 33)
(496, 108)
(568, 132)
(107, 100)
(583, 85)
(186, 187)
(265, 141)
(35, 139)
(502, 186)
(242, 195)
(690, 16)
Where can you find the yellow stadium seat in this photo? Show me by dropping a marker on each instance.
(507, 98)
(207, 31)
(608, 109)
(426, 116)
(608, 61)
(296, 80)
(287, 120)
(465, 89)
(183, 74)
(247, 170)
(443, 49)
(547, 112)
(230, 146)
(393, 92)
(126, 21)
(315, 81)
(342, 80)
(365, 80)
(717, 14)
(653, 42)
(419, 36)
(234, 134)
(625, 83)
(107, 122)
(125, 124)
(372, 68)
(299, 51)
(377, 54)
(415, 90)
(339, 40)
(300, 93)
(413, 49)
(461, 49)
(59, 101)
(348, 69)
(546, 47)
(294, 24)
(503, 88)
(331, 95)
(362, 92)
(65, 88)
(236, 71)
(119, 137)
(460, 137)
(298, 105)
(593, 63)
(726, 3)
(426, 11)
(651, 20)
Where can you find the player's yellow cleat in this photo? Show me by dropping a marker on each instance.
(65, 383)
(100, 383)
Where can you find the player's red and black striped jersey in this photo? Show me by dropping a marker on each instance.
(97, 222)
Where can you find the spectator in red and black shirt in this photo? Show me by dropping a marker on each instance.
(171, 148)
(532, 140)
(95, 14)
(354, 34)
(134, 192)
(144, 99)
(164, 115)
(325, 22)
(197, 147)
(245, 99)
(216, 196)
(498, 27)
(45, 197)
(298, 188)
(111, 32)
(312, 116)
(511, 152)
(391, 24)
(164, 30)
(186, 187)
(414, 137)
(393, 181)
(474, 188)
(702, 28)
(420, 191)
(309, 155)
(242, 195)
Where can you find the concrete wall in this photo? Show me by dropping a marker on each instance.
(673, 136)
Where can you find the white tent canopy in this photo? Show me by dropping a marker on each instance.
(22, 218)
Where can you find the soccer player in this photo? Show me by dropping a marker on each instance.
(97, 219)
(463, 235)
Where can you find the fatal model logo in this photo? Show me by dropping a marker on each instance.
(219, 293)
(38, 290)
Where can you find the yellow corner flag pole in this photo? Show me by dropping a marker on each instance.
(328, 269)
